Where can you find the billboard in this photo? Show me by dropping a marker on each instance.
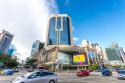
(80, 59)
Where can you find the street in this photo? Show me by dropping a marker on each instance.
(71, 78)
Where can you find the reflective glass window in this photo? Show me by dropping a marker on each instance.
(65, 34)
(58, 23)
(52, 36)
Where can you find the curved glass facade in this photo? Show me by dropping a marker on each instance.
(65, 34)
(52, 35)
(59, 31)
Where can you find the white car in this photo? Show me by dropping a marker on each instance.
(38, 76)
(121, 74)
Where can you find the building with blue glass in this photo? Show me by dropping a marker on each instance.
(5, 41)
(59, 50)
(11, 51)
(37, 46)
(59, 30)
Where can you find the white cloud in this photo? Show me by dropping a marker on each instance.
(27, 20)
(75, 39)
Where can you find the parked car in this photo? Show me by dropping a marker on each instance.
(121, 74)
(83, 73)
(8, 71)
(38, 76)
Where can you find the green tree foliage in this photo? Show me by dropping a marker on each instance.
(94, 67)
(11, 63)
(30, 61)
(8, 62)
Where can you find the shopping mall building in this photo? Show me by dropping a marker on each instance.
(58, 51)
(62, 57)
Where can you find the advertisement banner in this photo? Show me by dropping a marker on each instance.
(80, 59)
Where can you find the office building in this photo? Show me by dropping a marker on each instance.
(95, 52)
(36, 47)
(59, 51)
(59, 30)
(5, 41)
(122, 54)
(114, 53)
(11, 50)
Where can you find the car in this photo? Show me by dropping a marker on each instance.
(83, 73)
(121, 74)
(8, 71)
(37, 76)
(90, 70)
(106, 72)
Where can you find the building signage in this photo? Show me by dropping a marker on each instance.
(80, 59)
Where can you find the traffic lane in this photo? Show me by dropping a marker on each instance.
(84, 81)
(90, 79)
(95, 81)
(103, 81)
(73, 79)
(4, 81)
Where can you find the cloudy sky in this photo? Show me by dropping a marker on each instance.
(27, 20)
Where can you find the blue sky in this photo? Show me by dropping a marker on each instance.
(100, 21)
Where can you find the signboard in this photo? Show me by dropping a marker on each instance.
(80, 59)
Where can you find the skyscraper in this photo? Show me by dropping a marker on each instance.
(113, 52)
(59, 30)
(122, 54)
(5, 41)
(11, 50)
(37, 46)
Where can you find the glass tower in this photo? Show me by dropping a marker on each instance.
(5, 41)
(59, 30)
(113, 54)
(36, 47)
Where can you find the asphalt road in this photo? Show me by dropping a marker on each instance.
(71, 78)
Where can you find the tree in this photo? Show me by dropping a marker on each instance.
(6, 61)
(94, 67)
(11, 63)
(30, 62)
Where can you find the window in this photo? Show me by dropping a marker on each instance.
(52, 36)
(47, 73)
(35, 75)
(65, 34)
